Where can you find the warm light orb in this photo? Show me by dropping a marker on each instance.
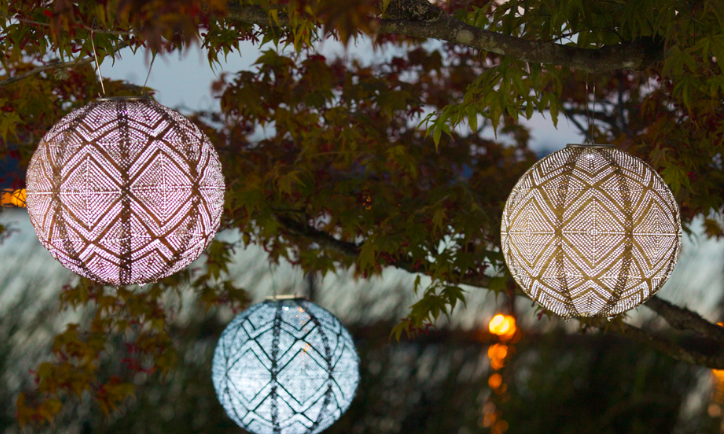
(590, 231)
(502, 325)
(495, 380)
(498, 351)
(497, 354)
(285, 366)
(125, 191)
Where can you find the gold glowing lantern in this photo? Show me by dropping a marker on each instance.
(590, 231)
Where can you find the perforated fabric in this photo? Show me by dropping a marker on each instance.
(125, 191)
(590, 231)
(285, 367)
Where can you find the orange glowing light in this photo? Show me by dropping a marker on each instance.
(497, 354)
(502, 325)
(13, 198)
(498, 351)
(495, 380)
(489, 419)
(714, 410)
(497, 363)
(500, 426)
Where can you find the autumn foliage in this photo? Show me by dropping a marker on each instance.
(360, 165)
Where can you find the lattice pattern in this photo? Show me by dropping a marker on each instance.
(285, 367)
(124, 191)
(591, 231)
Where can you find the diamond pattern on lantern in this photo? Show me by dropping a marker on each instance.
(285, 367)
(125, 191)
(590, 231)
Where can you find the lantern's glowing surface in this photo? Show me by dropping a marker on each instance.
(125, 191)
(285, 366)
(591, 231)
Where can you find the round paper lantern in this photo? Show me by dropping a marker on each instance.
(590, 231)
(125, 191)
(285, 366)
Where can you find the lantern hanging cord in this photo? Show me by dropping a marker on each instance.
(589, 139)
(150, 67)
(274, 283)
(98, 66)
(593, 110)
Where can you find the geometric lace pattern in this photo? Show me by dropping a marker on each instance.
(285, 367)
(125, 191)
(590, 231)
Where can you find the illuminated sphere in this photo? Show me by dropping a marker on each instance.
(285, 366)
(125, 191)
(590, 231)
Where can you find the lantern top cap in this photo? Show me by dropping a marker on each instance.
(590, 145)
(125, 98)
(284, 297)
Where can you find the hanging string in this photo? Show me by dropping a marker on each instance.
(150, 67)
(588, 113)
(593, 111)
(98, 66)
(274, 282)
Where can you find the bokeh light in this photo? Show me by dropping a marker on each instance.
(497, 354)
(502, 325)
(495, 380)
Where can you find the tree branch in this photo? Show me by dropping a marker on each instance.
(351, 250)
(47, 67)
(89, 28)
(682, 318)
(596, 115)
(664, 345)
(321, 238)
(679, 318)
(53, 65)
(434, 23)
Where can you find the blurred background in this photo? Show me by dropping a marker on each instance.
(493, 367)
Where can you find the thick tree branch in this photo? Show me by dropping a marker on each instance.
(682, 318)
(436, 24)
(679, 318)
(713, 361)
